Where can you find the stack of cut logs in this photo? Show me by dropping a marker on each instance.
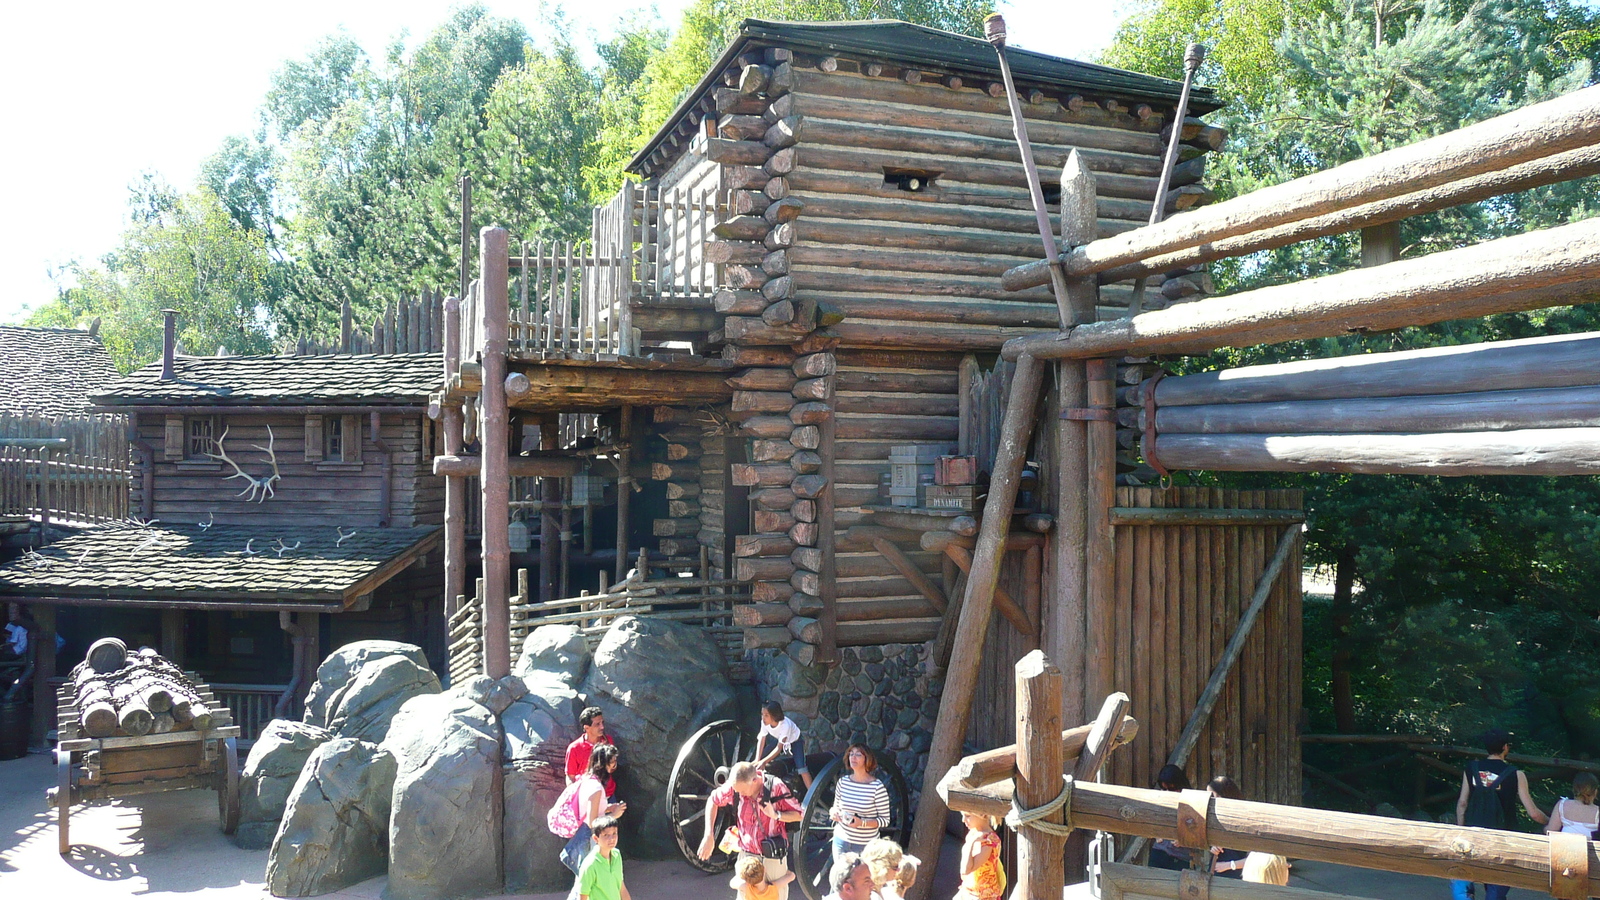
(691, 464)
(120, 693)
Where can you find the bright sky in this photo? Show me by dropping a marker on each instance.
(102, 91)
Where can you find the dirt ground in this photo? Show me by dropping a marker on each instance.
(169, 846)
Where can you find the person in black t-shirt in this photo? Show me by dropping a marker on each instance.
(1490, 789)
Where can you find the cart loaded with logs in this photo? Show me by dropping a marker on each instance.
(131, 723)
(702, 766)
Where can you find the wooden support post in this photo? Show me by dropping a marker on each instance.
(455, 489)
(549, 529)
(1040, 862)
(172, 636)
(495, 434)
(1064, 635)
(1100, 550)
(44, 669)
(961, 677)
(624, 490)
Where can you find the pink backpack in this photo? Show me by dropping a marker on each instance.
(564, 818)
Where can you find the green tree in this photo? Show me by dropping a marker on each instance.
(187, 253)
(1489, 571)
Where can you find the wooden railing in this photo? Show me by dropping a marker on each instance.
(86, 481)
(673, 268)
(252, 706)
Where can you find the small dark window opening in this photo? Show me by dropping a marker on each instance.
(913, 180)
(332, 440)
(201, 437)
(1052, 193)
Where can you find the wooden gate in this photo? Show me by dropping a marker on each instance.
(1188, 561)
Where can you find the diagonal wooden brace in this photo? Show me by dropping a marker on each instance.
(1194, 809)
(1569, 866)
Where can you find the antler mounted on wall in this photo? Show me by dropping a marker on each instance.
(260, 488)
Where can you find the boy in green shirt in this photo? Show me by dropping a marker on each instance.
(600, 878)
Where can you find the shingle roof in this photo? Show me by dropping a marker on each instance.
(51, 371)
(893, 40)
(181, 563)
(243, 380)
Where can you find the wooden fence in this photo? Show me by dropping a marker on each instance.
(86, 481)
(410, 325)
(704, 603)
(252, 706)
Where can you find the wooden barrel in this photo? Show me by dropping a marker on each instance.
(107, 655)
(15, 722)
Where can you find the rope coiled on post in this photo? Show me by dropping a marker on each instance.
(1035, 818)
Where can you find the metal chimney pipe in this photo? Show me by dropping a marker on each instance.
(169, 342)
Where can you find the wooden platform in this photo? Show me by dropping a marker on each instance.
(566, 382)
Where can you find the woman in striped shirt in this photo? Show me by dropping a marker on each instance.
(860, 803)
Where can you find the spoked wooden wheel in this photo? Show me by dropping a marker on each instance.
(228, 786)
(702, 766)
(63, 799)
(811, 841)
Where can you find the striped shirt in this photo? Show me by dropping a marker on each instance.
(867, 799)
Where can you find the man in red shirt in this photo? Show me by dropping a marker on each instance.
(594, 734)
(765, 804)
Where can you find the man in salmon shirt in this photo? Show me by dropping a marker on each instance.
(594, 734)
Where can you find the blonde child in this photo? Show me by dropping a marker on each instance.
(750, 882)
(904, 879)
(982, 876)
(1266, 868)
(1578, 814)
(882, 857)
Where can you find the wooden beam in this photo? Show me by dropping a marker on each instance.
(1541, 451)
(1141, 515)
(1004, 603)
(1099, 548)
(1566, 123)
(997, 765)
(1569, 407)
(516, 466)
(1528, 271)
(961, 677)
(1373, 842)
(1559, 360)
(907, 568)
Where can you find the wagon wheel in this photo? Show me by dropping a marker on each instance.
(63, 799)
(701, 768)
(811, 844)
(228, 786)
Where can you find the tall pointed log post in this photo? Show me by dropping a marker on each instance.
(961, 676)
(1099, 548)
(455, 489)
(549, 507)
(1041, 867)
(624, 491)
(1066, 638)
(495, 434)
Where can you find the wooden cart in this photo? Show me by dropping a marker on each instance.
(91, 769)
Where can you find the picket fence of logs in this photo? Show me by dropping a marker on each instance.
(1549, 267)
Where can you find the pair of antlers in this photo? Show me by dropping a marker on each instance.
(259, 489)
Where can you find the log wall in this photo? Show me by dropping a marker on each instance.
(345, 494)
(1179, 593)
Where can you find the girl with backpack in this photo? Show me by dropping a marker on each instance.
(1578, 814)
(582, 804)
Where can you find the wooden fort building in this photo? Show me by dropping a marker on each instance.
(804, 278)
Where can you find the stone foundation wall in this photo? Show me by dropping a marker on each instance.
(881, 696)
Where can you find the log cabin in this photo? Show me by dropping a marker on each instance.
(280, 506)
(799, 296)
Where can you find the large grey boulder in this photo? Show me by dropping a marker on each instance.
(531, 850)
(336, 830)
(444, 833)
(546, 714)
(268, 777)
(376, 692)
(554, 651)
(336, 672)
(658, 682)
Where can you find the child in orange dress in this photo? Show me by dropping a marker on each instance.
(750, 882)
(982, 876)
